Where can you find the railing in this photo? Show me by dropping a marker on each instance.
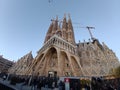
(61, 43)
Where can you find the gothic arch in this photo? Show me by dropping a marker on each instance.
(76, 66)
(74, 63)
(52, 56)
(65, 64)
(51, 60)
(40, 57)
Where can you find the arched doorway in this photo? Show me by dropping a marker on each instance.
(52, 73)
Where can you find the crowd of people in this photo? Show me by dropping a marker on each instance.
(105, 84)
(96, 83)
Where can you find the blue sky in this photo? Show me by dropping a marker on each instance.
(24, 23)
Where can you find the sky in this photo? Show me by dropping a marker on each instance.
(24, 23)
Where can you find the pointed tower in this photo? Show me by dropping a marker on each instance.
(55, 26)
(58, 32)
(49, 33)
(64, 28)
(52, 29)
(70, 32)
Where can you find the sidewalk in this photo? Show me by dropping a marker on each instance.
(20, 86)
(6, 83)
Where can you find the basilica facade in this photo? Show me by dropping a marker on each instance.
(62, 56)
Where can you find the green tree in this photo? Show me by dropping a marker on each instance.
(117, 71)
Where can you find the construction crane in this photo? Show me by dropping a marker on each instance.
(89, 29)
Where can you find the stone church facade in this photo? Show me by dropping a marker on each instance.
(22, 65)
(62, 56)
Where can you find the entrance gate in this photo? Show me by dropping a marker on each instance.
(52, 74)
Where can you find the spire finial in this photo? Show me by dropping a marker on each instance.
(69, 15)
(52, 20)
(57, 18)
(30, 52)
(65, 15)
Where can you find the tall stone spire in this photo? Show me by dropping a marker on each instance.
(66, 32)
(70, 32)
(49, 33)
(58, 32)
(55, 25)
(64, 27)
